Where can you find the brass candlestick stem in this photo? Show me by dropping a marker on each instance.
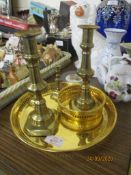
(57, 79)
(55, 93)
(41, 120)
(85, 101)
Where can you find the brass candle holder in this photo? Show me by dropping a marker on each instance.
(82, 105)
(85, 101)
(42, 121)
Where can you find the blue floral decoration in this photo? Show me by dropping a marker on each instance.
(113, 16)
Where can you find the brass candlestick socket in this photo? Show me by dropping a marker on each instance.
(85, 101)
(42, 121)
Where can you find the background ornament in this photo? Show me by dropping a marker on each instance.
(114, 14)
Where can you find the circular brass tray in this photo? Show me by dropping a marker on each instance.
(72, 140)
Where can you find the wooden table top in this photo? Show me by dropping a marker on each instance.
(16, 158)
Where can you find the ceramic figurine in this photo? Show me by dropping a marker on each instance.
(113, 14)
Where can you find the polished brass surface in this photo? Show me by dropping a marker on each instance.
(85, 101)
(72, 140)
(41, 120)
(80, 120)
(55, 93)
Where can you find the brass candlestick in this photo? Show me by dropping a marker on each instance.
(55, 93)
(42, 121)
(85, 101)
(82, 105)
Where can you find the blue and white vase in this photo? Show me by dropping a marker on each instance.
(112, 49)
(113, 14)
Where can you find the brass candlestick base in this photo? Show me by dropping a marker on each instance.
(41, 121)
(79, 104)
(40, 128)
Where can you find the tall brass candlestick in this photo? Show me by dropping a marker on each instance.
(55, 93)
(85, 101)
(41, 121)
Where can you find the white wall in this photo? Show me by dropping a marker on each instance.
(24, 4)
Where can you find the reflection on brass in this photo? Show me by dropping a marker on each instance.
(72, 140)
(55, 93)
(41, 121)
(82, 138)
